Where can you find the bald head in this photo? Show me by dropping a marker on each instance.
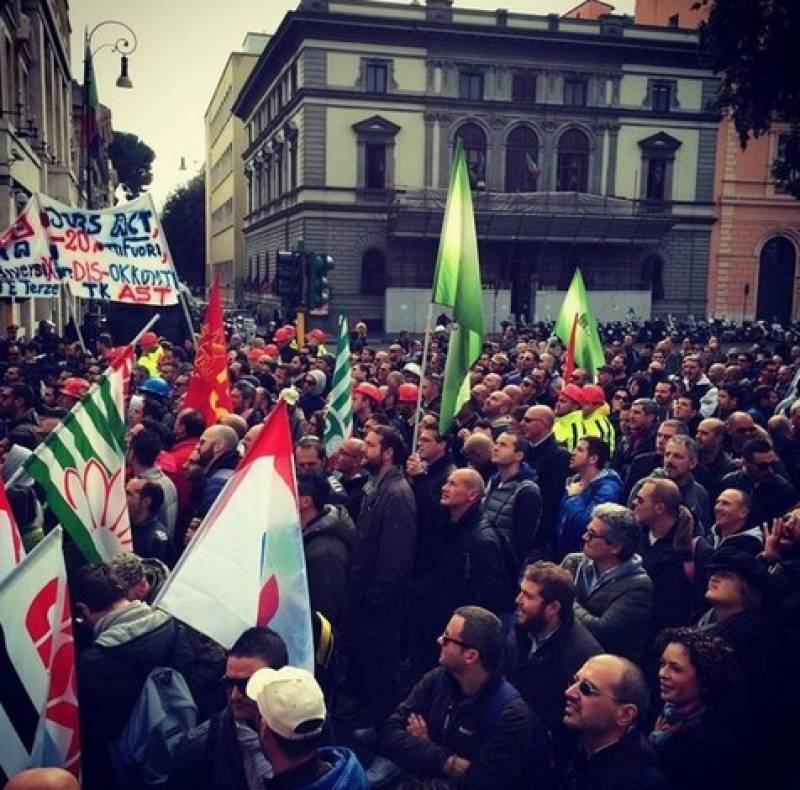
(350, 457)
(462, 491)
(537, 423)
(237, 422)
(222, 438)
(43, 779)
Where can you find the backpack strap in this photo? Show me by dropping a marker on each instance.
(322, 656)
(689, 565)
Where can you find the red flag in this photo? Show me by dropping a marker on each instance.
(11, 550)
(252, 534)
(569, 362)
(209, 390)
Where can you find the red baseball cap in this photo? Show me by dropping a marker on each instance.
(369, 390)
(408, 393)
(593, 394)
(574, 393)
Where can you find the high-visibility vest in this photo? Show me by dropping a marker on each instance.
(597, 424)
(568, 429)
(150, 361)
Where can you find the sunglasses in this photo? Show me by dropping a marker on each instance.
(236, 683)
(764, 466)
(445, 639)
(591, 534)
(588, 690)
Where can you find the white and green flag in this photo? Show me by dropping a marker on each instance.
(457, 284)
(339, 415)
(81, 468)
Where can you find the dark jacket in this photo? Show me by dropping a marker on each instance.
(676, 591)
(150, 540)
(542, 678)
(515, 505)
(576, 510)
(328, 543)
(387, 532)
(641, 467)
(354, 489)
(501, 754)
(627, 452)
(705, 755)
(616, 612)
(427, 488)
(218, 473)
(710, 475)
(550, 461)
(129, 643)
(454, 582)
(693, 496)
(629, 764)
(208, 758)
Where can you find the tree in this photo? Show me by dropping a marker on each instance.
(184, 221)
(752, 44)
(133, 161)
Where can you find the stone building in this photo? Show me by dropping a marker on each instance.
(589, 143)
(755, 243)
(226, 189)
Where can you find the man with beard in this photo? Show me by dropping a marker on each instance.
(224, 752)
(384, 557)
(212, 464)
(680, 457)
(547, 645)
(644, 464)
(713, 463)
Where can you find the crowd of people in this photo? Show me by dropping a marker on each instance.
(585, 581)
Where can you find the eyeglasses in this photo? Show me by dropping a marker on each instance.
(531, 419)
(445, 639)
(236, 683)
(591, 535)
(588, 690)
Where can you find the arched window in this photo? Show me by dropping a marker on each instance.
(373, 272)
(474, 141)
(573, 162)
(522, 160)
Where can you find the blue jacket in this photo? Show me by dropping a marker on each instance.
(345, 773)
(576, 511)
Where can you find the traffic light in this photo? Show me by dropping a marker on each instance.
(318, 288)
(289, 279)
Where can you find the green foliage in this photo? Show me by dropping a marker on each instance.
(133, 161)
(752, 44)
(184, 221)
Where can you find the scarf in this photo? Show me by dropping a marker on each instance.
(673, 720)
(256, 767)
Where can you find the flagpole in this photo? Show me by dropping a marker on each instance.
(144, 329)
(73, 311)
(184, 300)
(425, 345)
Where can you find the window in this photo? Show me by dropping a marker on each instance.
(373, 272)
(278, 97)
(780, 155)
(522, 160)
(523, 88)
(575, 92)
(474, 141)
(655, 189)
(293, 78)
(674, 20)
(573, 162)
(293, 164)
(375, 166)
(661, 97)
(376, 77)
(470, 85)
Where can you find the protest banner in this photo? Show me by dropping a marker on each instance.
(27, 269)
(117, 254)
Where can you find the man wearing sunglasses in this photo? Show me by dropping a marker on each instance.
(607, 697)
(224, 753)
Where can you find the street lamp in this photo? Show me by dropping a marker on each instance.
(122, 45)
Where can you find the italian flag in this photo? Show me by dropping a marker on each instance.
(81, 468)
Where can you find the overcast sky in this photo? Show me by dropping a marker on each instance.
(182, 47)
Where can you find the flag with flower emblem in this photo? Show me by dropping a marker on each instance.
(81, 468)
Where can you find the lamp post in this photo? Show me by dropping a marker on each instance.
(122, 45)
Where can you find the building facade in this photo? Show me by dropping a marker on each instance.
(38, 150)
(226, 188)
(753, 261)
(588, 141)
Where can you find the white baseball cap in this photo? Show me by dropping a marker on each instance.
(289, 700)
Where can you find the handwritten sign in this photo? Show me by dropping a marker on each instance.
(118, 254)
(26, 266)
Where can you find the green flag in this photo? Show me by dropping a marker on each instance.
(575, 313)
(457, 284)
(81, 468)
(339, 415)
